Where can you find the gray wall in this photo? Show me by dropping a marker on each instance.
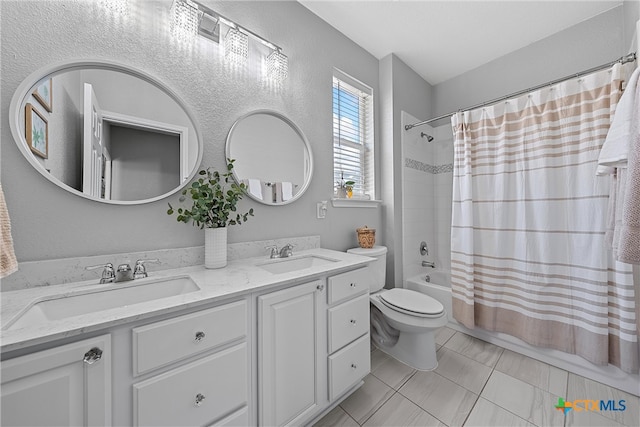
(588, 44)
(50, 223)
(402, 89)
(144, 164)
(631, 13)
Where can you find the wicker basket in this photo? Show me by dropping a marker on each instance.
(366, 237)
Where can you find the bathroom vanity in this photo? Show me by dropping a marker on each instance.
(260, 342)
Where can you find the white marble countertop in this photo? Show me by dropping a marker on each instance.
(239, 277)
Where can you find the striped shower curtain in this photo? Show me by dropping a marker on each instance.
(529, 219)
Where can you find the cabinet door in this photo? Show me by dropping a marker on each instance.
(288, 345)
(57, 387)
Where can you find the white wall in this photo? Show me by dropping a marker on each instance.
(49, 223)
(588, 44)
(402, 89)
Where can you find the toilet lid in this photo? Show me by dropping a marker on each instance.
(410, 301)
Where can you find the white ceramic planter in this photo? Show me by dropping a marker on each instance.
(215, 247)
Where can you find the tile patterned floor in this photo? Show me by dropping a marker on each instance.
(475, 384)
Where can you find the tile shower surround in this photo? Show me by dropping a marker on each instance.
(475, 384)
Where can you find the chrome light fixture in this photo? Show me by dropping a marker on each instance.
(277, 66)
(189, 18)
(185, 19)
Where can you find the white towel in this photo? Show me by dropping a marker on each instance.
(628, 249)
(255, 187)
(8, 262)
(615, 150)
(287, 191)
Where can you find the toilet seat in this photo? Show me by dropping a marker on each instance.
(411, 302)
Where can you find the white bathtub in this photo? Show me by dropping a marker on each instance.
(439, 287)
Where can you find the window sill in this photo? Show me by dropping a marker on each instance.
(355, 203)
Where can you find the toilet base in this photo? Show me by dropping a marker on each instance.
(417, 350)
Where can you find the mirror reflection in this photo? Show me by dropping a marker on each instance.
(272, 157)
(108, 133)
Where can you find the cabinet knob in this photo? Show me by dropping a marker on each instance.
(320, 288)
(199, 399)
(352, 321)
(92, 356)
(354, 366)
(199, 336)
(352, 284)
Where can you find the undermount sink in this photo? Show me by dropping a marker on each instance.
(287, 265)
(91, 301)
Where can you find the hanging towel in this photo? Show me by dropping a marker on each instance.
(8, 262)
(629, 235)
(277, 192)
(255, 188)
(615, 150)
(287, 191)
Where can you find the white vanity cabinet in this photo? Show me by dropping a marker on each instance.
(313, 346)
(290, 344)
(65, 385)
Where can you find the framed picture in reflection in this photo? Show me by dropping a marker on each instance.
(36, 132)
(44, 94)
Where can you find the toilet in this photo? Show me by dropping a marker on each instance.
(403, 322)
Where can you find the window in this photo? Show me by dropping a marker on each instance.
(353, 158)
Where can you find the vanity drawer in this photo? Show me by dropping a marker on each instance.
(348, 366)
(164, 342)
(346, 285)
(348, 321)
(218, 381)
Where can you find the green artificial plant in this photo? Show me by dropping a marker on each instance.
(215, 197)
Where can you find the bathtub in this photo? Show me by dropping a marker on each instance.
(439, 287)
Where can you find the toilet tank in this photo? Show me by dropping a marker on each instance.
(378, 267)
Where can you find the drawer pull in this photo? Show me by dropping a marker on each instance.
(320, 288)
(352, 284)
(352, 321)
(92, 356)
(199, 398)
(354, 366)
(199, 337)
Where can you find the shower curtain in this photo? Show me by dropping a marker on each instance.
(529, 218)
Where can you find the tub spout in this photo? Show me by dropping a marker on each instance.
(428, 264)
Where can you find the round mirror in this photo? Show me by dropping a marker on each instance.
(106, 132)
(272, 157)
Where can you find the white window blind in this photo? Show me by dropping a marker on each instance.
(353, 135)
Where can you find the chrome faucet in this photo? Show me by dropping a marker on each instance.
(285, 252)
(124, 273)
(108, 273)
(428, 264)
(140, 271)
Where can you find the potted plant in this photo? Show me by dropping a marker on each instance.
(349, 186)
(214, 198)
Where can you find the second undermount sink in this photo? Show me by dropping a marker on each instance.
(91, 301)
(295, 263)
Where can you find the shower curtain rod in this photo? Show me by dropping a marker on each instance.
(622, 60)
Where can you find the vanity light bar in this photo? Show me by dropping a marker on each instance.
(209, 25)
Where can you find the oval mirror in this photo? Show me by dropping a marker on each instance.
(106, 132)
(272, 157)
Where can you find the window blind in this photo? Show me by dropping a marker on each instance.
(353, 137)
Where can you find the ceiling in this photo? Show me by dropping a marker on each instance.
(442, 39)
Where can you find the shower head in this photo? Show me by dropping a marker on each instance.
(429, 137)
